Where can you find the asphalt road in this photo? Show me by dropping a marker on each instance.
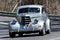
(55, 33)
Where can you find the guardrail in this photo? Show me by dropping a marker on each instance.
(10, 14)
(54, 17)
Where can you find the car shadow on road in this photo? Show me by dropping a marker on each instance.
(34, 35)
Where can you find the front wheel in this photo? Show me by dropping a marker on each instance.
(11, 34)
(48, 32)
(43, 31)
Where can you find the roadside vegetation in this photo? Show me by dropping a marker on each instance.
(52, 6)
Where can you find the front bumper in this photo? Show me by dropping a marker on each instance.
(25, 29)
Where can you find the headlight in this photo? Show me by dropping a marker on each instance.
(35, 21)
(13, 21)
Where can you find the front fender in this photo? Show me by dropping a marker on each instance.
(14, 27)
(41, 23)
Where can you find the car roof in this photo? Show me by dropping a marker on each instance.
(24, 6)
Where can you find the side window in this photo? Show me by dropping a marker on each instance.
(43, 9)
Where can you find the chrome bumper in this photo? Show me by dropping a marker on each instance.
(25, 29)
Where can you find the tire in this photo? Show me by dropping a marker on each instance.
(20, 34)
(12, 35)
(48, 32)
(43, 31)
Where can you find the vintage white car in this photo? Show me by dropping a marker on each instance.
(30, 19)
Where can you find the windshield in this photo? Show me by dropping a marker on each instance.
(26, 10)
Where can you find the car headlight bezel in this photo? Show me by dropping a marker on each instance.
(13, 22)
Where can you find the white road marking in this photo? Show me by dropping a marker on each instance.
(3, 23)
(55, 38)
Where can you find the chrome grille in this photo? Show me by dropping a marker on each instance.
(25, 20)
